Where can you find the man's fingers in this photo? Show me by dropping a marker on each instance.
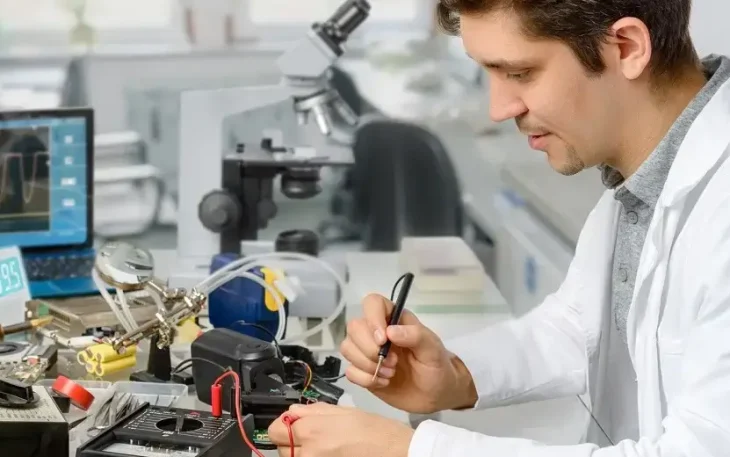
(360, 333)
(317, 409)
(376, 310)
(285, 451)
(408, 318)
(364, 379)
(278, 433)
(424, 344)
(353, 354)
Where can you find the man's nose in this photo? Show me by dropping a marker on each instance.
(503, 103)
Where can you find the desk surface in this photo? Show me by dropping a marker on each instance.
(561, 421)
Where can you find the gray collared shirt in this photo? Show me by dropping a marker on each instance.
(638, 196)
(640, 192)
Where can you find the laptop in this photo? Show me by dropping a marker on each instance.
(46, 197)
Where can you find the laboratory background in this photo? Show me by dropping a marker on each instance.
(183, 178)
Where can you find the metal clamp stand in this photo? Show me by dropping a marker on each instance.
(159, 367)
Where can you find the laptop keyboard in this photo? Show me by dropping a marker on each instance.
(58, 267)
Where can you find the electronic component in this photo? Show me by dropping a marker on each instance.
(265, 390)
(77, 316)
(16, 394)
(12, 352)
(26, 362)
(328, 370)
(34, 431)
(153, 431)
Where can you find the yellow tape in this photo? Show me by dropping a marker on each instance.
(102, 353)
(269, 277)
(107, 368)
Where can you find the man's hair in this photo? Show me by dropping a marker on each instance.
(584, 25)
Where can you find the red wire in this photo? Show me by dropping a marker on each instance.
(288, 420)
(237, 383)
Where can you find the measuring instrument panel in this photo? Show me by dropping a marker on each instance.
(152, 431)
(31, 427)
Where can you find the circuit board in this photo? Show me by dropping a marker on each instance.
(261, 439)
(310, 396)
(261, 436)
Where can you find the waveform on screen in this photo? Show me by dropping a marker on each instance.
(28, 187)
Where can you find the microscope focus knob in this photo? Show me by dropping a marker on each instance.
(219, 210)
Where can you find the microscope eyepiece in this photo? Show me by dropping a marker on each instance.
(337, 29)
(349, 16)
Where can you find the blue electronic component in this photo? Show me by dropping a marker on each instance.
(44, 181)
(241, 299)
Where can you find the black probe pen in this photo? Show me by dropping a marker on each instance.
(400, 304)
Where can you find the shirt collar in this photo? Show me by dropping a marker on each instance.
(648, 180)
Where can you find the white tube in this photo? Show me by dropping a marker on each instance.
(110, 300)
(231, 270)
(125, 308)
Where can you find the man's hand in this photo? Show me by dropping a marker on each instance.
(323, 430)
(419, 375)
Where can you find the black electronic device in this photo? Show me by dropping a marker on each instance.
(265, 389)
(32, 428)
(154, 431)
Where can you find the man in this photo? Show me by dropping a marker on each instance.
(642, 319)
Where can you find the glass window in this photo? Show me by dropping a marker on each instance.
(274, 20)
(56, 15)
(292, 12)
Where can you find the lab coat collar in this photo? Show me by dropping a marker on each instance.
(702, 148)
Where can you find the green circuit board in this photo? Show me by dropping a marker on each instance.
(261, 437)
(310, 395)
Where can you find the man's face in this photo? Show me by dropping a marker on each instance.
(570, 115)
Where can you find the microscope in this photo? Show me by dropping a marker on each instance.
(236, 142)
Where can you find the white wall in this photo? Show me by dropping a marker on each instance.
(709, 26)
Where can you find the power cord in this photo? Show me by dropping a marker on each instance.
(188, 363)
(395, 287)
(596, 421)
(281, 354)
(263, 329)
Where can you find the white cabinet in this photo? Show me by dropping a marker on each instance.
(532, 260)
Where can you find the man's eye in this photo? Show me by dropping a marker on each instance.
(518, 76)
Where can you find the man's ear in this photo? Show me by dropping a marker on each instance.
(631, 40)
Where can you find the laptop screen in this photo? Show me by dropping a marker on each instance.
(44, 178)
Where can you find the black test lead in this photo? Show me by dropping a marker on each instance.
(400, 304)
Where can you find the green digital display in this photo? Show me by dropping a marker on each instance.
(11, 277)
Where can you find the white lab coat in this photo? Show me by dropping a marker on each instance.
(678, 324)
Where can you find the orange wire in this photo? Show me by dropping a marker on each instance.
(308, 377)
(239, 418)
